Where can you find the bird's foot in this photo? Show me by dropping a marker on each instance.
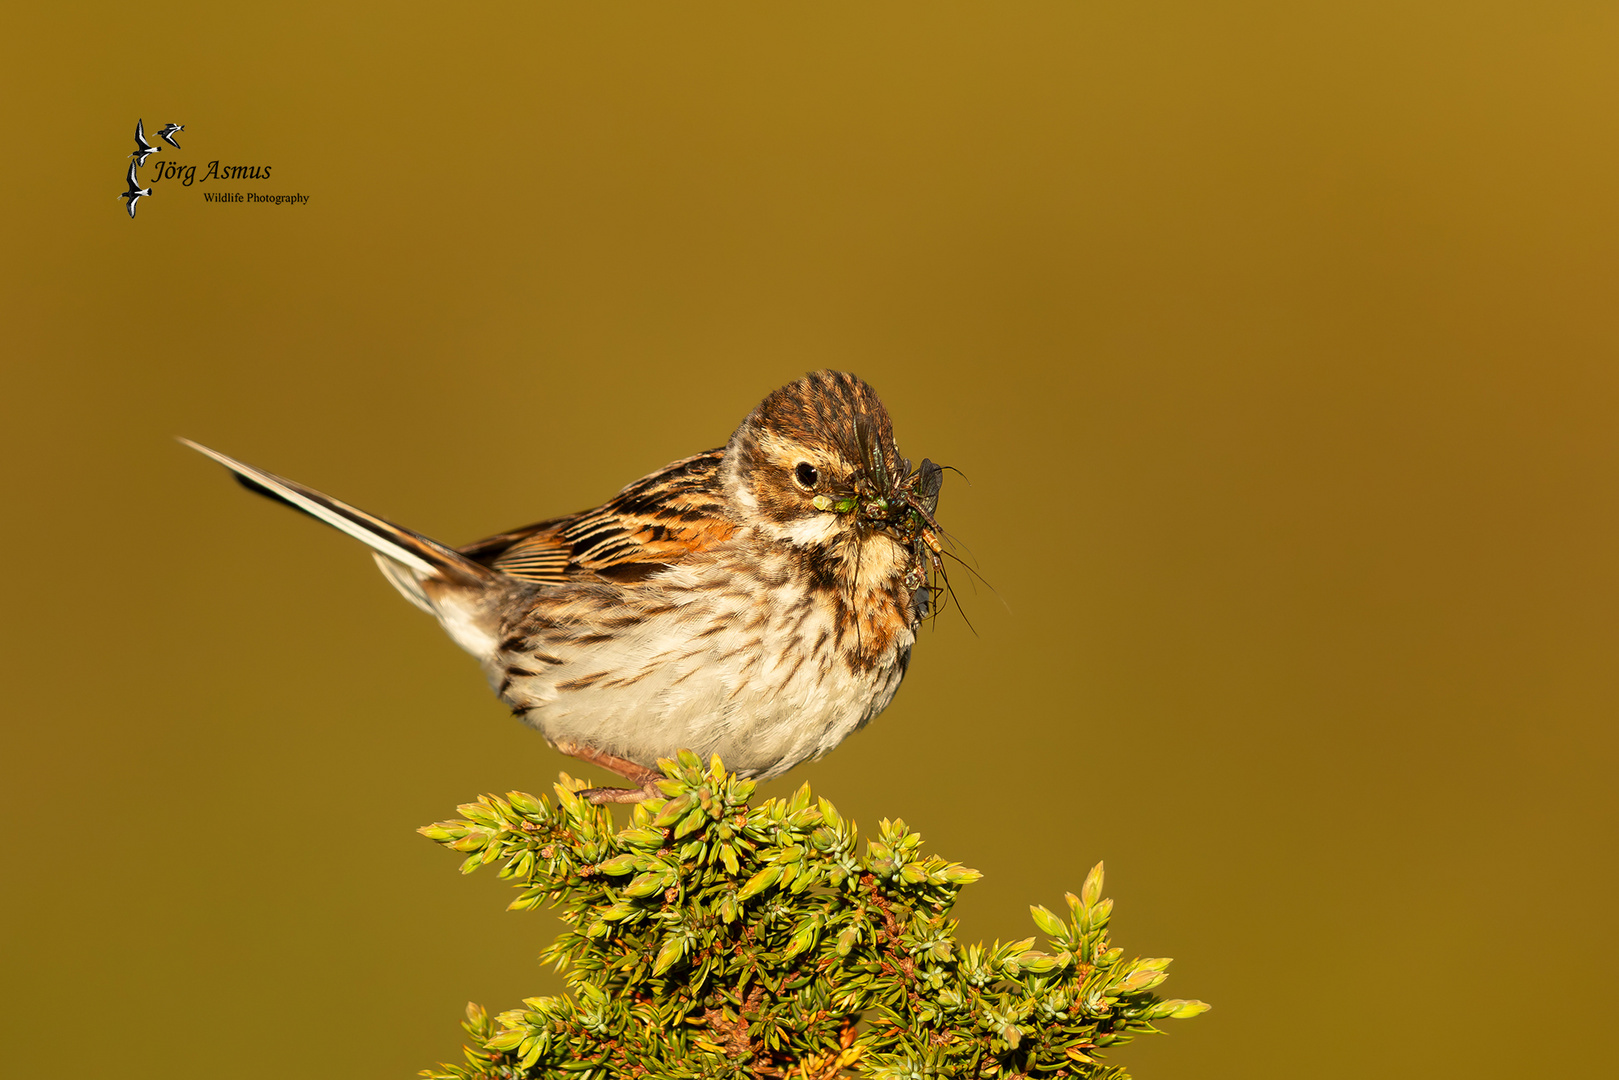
(600, 795)
(646, 778)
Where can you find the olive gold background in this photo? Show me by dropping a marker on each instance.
(1277, 341)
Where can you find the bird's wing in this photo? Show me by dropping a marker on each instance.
(655, 522)
(140, 135)
(133, 186)
(537, 553)
(131, 205)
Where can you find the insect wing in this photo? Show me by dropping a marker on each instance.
(930, 478)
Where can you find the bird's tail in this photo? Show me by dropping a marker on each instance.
(407, 558)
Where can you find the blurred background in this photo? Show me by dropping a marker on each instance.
(1278, 344)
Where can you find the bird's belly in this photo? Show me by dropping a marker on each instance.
(760, 677)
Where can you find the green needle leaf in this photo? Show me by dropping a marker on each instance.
(832, 959)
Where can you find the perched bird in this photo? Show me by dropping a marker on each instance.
(143, 149)
(169, 132)
(135, 192)
(758, 601)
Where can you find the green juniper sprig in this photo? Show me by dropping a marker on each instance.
(710, 938)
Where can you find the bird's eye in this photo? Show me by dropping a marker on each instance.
(806, 475)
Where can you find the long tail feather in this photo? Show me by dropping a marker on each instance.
(412, 552)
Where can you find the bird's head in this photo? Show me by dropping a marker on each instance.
(815, 465)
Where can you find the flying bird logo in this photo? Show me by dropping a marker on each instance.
(135, 192)
(143, 149)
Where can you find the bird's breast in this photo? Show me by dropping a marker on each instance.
(762, 658)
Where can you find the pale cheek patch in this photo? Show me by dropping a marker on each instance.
(808, 531)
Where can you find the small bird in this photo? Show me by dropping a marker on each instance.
(143, 149)
(135, 192)
(168, 133)
(758, 601)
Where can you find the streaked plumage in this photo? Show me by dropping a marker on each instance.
(758, 601)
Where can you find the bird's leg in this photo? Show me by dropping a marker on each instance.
(646, 778)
